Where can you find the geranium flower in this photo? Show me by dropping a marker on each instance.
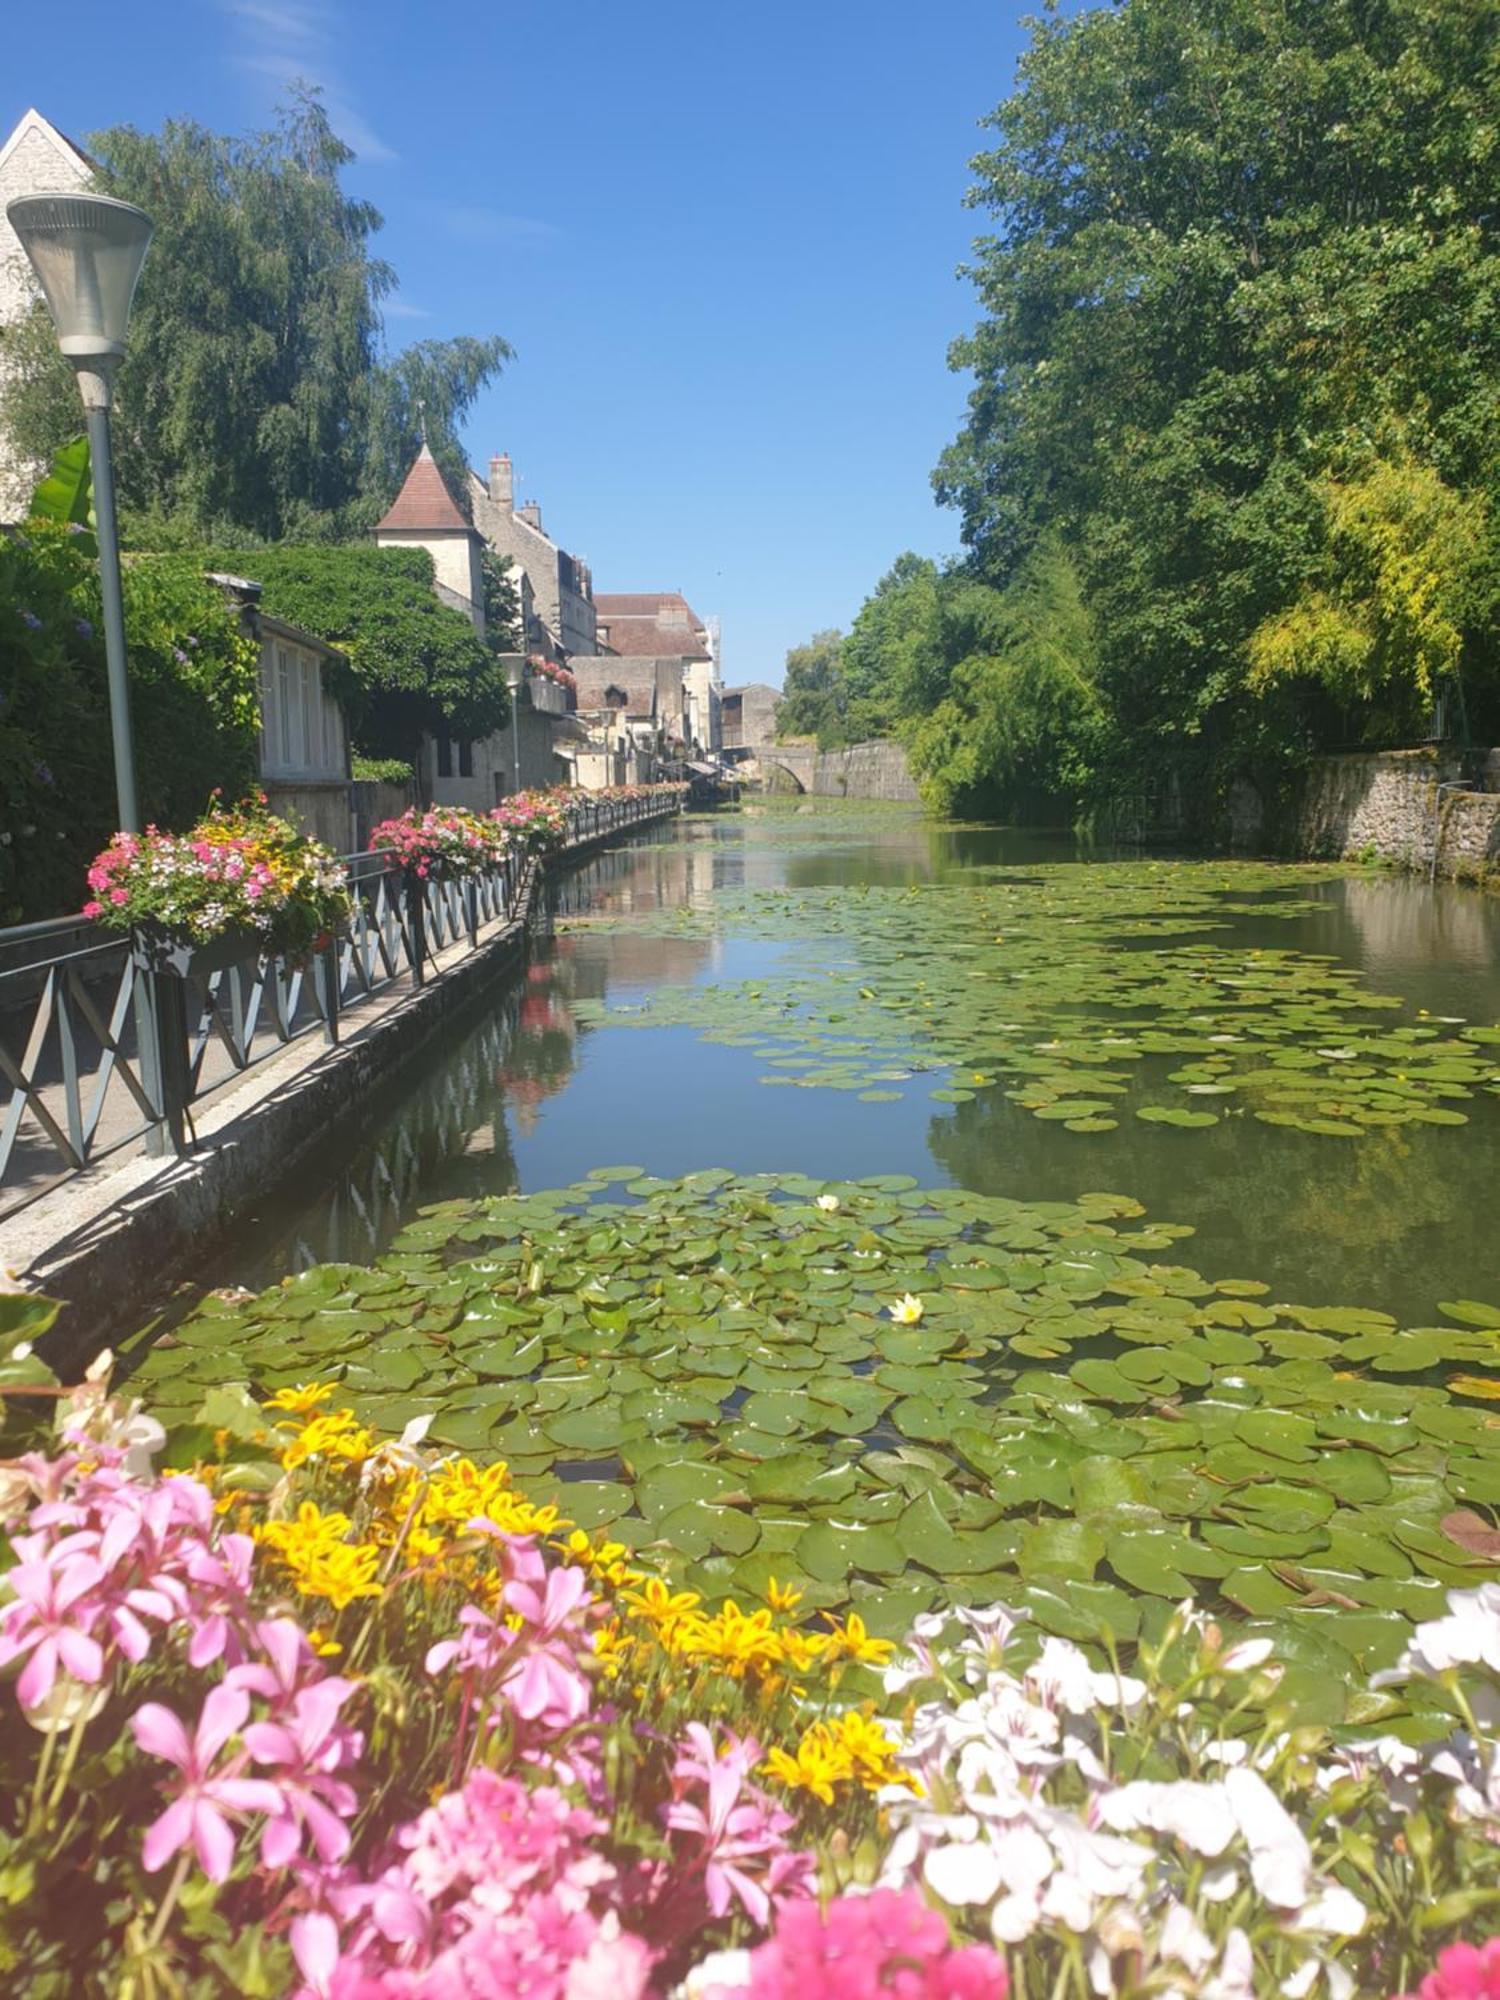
(206, 1800)
(46, 1624)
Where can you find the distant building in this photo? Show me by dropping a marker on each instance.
(750, 715)
(661, 625)
(35, 159)
(557, 589)
(538, 746)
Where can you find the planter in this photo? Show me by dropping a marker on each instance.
(162, 951)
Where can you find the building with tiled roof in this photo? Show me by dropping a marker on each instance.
(556, 587)
(425, 515)
(661, 625)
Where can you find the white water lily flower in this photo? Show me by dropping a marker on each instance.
(1280, 1858)
(907, 1310)
(1200, 1816)
(828, 1203)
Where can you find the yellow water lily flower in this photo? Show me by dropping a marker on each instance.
(907, 1310)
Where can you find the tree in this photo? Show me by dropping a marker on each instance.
(814, 700)
(891, 658)
(418, 667)
(253, 399)
(1236, 247)
(503, 623)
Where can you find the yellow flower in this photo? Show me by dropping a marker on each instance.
(907, 1310)
(612, 1646)
(851, 1641)
(663, 1607)
(313, 1551)
(818, 1764)
(782, 1596)
(802, 1650)
(336, 1435)
(304, 1398)
(734, 1643)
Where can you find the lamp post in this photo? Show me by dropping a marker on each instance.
(513, 672)
(87, 251)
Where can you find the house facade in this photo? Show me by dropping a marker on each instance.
(660, 626)
(750, 715)
(35, 159)
(557, 591)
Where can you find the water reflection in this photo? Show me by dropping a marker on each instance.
(530, 1097)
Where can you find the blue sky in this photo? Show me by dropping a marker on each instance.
(722, 241)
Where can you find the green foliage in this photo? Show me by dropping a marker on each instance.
(253, 399)
(502, 603)
(814, 699)
(417, 665)
(382, 771)
(1018, 722)
(1241, 256)
(193, 701)
(891, 658)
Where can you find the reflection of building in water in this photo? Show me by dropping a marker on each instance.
(539, 1057)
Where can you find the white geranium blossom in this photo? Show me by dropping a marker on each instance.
(1469, 1635)
(1201, 1816)
(1280, 1858)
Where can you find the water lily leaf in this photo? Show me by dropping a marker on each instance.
(830, 1550)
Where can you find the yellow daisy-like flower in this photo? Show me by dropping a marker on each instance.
(661, 1606)
(802, 1651)
(818, 1764)
(734, 1643)
(782, 1596)
(338, 1435)
(313, 1550)
(305, 1397)
(907, 1310)
(613, 1646)
(604, 1561)
(850, 1641)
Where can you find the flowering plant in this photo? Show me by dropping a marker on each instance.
(550, 670)
(239, 868)
(541, 821)
(444, 843)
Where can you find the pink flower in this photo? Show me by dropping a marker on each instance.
(744, 1854)
(46, 1621)
(197, 1814)
(1464, 1972)
(888, 1942)
(308, 1744)
(119, 895)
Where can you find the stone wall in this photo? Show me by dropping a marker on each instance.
(875, 770)
(1401, 805)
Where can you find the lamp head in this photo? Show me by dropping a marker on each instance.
(87, 251)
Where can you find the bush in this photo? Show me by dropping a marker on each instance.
(383, 771)
(193, 693)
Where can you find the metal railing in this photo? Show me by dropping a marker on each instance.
(103, 1050)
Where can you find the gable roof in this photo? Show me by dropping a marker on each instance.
(31, 120)
(652, 624)
(424, 505)
(597, 672)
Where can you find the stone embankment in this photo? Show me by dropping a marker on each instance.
(1431, 810)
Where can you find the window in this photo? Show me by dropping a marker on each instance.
(466, 760)
(445, 757)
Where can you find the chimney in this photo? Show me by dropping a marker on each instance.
(531, 514)
(502, 482)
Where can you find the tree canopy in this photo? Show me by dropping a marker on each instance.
(255, 398)
(1233, 443)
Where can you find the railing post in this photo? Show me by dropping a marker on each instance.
(471, 911)
(326, 985)
(416, 928)
(165, 1018)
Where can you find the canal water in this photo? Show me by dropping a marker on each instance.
(549, 1084)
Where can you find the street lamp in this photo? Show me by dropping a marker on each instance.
(87, 251)
(513, 682)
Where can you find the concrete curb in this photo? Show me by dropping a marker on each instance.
(104, 1242)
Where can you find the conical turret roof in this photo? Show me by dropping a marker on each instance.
(424, 505)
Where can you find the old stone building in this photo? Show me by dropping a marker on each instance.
(750, 715)
(661, 626)
(558, 591)
(425, 515)
(35, 159)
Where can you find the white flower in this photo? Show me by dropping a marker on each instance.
(907, 1310)
(1468, 1636)
(1236, 1971)
(1245, 1657)
(1200, 1816)
(1280, 1857)
(963, 1873)
(828, 1203)
(729, 1969)
(1333, 1909)
(1184, 1938)
(1062, 1676)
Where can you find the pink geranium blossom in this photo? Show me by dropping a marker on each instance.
(1464, 1972)
(206, 1798)
(862, 1947)
(739, 1834)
